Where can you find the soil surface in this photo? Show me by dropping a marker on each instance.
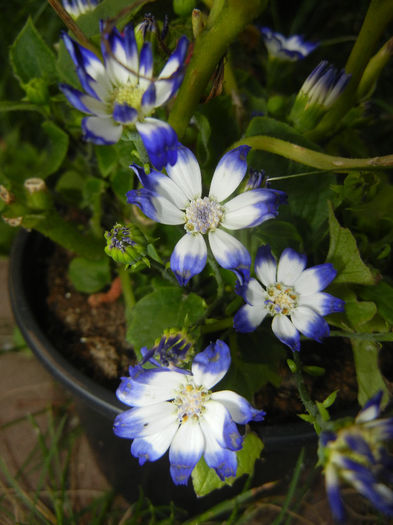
(94, 339)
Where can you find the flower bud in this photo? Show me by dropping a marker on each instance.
(173, 350)
(198, 20)
(183, 7)
(318, 93)
(127, 245)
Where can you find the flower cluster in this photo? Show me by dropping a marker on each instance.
(176, 410)
(122, 92)
(356, 455)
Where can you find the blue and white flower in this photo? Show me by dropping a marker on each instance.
(356, 454)
(280, 47)
(121, 92)
(75, 8)
(178, 411)
(291, 294)
(176, 198)
(318, 93)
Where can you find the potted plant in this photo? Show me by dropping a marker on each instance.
(196, 156)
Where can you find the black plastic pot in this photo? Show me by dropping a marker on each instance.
(98, 406)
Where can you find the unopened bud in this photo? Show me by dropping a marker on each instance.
(37, 91)
(183, 7)
(198, 20)
(127, 245)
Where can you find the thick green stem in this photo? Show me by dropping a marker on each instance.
(126, 288)
(210, 47)
(313, 158)
(379, 14)
(67, 235)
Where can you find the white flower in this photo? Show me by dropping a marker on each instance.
(176, 198)
(122, 91)
(177, 411)
(291, 294)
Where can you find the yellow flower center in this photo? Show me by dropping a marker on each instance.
(281, 299)
(203, 215)
(130, 95)
(190, 401)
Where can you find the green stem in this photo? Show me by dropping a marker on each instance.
(364, 336)
(313, 158)
(126, 287)
(379, 14)
(67, 235)
(217, 326)
(210, 46)
(308, 403)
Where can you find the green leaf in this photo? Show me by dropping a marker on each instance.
(276, 128)
(55, 151)
(106, 158)
(70, 185)
(203, 137)
(382, 295)
(89, 276)
(30, 56)
(322, 410)
(369, 377)
(344, 255)
(160, 310)
(278, 235)
(331, 398)
(205, 479)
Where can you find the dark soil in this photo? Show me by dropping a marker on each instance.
(94, 339)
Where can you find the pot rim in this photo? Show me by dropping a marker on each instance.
(96, 396)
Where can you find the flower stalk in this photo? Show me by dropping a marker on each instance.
(209, 48)
(312, 158)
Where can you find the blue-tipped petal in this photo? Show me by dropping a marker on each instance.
(144, 421)
(286, 332)
(101, 131)
(315, 279)
(131, 49)
(229, 252)
(124, 113)
(160, 141)
(333, 493)
(266, 266)
(185, 451)
(210, 366)
(371, 409)
(249, 209)
(223, 461)
(358, 444)
(145, 65)
(151, 448)
(248, 318)
(323, 303)
(219, 424)
(74, 97)
(309, 323)
(188, 257)
(143, 199)
(149, 99)
(240, 410)
(229, 173)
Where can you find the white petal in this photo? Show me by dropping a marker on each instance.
(229, 173)
(167, 213)
(240, 211)
(286, 332)
(228, 251)
(265, 266)
(255, 294)
(151, 448)
(186, 173)
(188, 257)
(186, 450)
(101, 130)
(290, 266)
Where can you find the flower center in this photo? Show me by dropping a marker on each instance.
(203, 215)
(128, 94)
(190, 401)
(281, 299)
